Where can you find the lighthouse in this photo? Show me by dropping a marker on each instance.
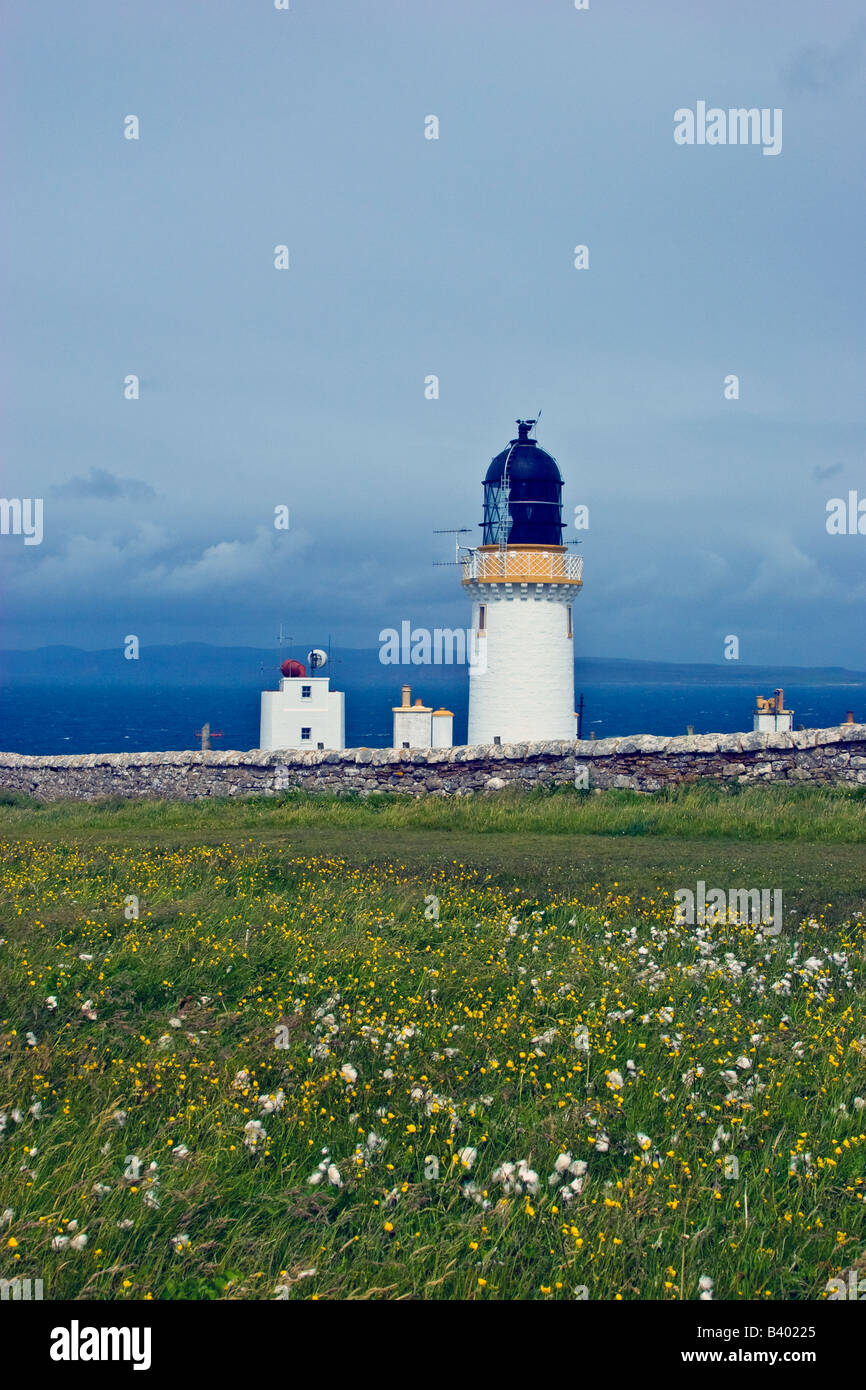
(522, 581)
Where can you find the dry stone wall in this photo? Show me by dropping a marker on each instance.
(643, 763)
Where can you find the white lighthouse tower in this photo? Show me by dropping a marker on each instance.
(523, 582)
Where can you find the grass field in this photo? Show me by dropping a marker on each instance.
(390, 1049)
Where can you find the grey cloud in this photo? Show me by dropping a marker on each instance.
(106, 487)
(819, 68)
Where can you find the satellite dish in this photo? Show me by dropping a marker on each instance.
(316, 658)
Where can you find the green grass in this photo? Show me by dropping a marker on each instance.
(461, 1017)
(705, 809)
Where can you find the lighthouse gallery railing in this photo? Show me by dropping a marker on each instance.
(522, 567)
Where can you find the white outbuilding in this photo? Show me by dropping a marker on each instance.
(771, 717)
(303, 713)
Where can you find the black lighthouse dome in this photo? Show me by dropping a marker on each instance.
(523, 494)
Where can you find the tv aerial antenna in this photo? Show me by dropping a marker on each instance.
(333, 660)
(456, 532)
(282, 641)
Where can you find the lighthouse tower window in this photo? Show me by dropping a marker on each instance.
(306, 692)
(482, 617)
(305, 735)
(570, 629)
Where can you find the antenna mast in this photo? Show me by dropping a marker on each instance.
(456, 532)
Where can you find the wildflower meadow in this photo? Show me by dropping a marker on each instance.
(254, 1069)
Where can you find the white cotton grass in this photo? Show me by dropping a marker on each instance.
(328, 1170)
(568, 1176)
(721, 1136)
(706, 1286)
(474, 1193)
(367, 1152)
(516, 1178)
(348, 1073)
(644, 1143)
(254, 1135)
(282, 1290)
(272, 1104)
(149, 1195)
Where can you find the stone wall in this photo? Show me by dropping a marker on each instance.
(642, 762)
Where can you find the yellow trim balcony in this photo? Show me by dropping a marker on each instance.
(520, 564)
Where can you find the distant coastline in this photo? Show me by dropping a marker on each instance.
(192, 664)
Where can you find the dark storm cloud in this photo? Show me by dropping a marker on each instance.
(305, 388)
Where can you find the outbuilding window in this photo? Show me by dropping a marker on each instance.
(305, 735)
(306, 692)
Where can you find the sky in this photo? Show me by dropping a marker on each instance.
(409, 258)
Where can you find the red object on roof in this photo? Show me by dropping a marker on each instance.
(293, 668)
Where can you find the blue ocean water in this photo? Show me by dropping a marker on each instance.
(99, 719)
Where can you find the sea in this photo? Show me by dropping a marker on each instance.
(45, 718)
